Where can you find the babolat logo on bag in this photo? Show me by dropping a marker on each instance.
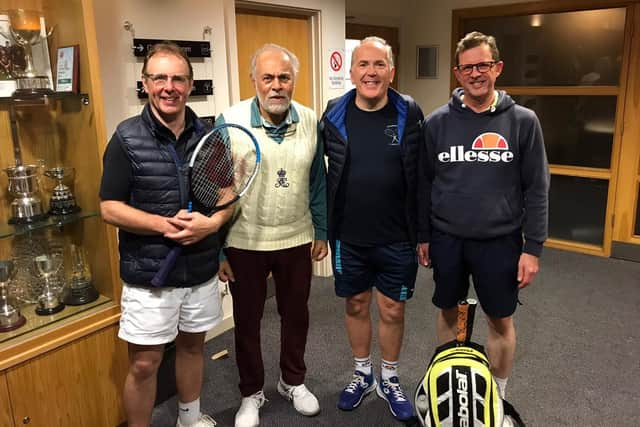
(458, 389)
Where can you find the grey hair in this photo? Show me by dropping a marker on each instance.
(375, 39)
(277, 48)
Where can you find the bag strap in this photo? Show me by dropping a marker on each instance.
(510, 411)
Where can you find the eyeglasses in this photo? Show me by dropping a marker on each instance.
(161, 80)
(482, 67)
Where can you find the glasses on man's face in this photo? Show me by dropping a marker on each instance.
(482, 67)
(161, 80)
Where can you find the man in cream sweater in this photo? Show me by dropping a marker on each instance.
(279, 227)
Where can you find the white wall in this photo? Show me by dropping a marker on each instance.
(421, 22)
(156, 19)
(161, 19)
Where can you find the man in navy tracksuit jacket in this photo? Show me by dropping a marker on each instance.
(371, 137)
(485, 183)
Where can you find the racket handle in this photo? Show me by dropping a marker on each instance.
(169, 262)
(466, 314)
(160, 278)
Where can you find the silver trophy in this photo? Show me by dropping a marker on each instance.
(7, 76)
(49, 300)
(80, 289)
(62, 201)
(26, 30)
(24, 182)
(10, 317)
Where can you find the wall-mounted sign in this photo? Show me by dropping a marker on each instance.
(200, 88)
(193, 49)
(336, 68)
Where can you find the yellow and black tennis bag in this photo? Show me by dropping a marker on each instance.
(458, 389)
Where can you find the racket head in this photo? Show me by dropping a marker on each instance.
(223, 165)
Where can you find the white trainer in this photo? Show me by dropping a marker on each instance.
(249, 413)
(303, 400)
(203, 421)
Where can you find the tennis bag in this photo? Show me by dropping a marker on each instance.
(458, 389)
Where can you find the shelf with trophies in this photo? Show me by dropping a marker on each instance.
(59, 284)
(47, 276)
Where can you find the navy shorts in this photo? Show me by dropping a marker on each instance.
(391, 269)
(491, 263)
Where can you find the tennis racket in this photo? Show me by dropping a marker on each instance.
(222, 168)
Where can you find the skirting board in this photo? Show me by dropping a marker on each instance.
(626, 251)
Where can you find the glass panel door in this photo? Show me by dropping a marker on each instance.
(569, 67)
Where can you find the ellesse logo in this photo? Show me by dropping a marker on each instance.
(489, 147)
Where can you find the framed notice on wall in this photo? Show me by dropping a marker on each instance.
(67, 67)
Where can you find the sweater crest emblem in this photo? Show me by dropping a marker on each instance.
(282, 181)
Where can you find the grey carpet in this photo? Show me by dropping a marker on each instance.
(577, 362)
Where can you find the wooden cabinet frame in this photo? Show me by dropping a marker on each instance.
(71, 372)
(624, 174)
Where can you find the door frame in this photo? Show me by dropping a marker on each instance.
(232, 50)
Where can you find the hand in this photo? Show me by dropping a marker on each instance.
(225, 273)
(319, 250)
(423, 255)
(527, 269)
(192, 227)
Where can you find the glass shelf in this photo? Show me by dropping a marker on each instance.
(35, 321)
(43, 99)
(9, 230)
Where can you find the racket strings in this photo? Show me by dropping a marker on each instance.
(223, 167)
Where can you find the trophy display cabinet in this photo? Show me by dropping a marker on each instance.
(60, 365)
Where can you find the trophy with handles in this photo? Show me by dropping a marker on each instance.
(24, 181)
(62, 201)
(26, 30)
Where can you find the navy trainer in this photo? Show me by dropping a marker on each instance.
(353, 394)
(399, 405)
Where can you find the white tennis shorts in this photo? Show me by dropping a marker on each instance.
(152, 316)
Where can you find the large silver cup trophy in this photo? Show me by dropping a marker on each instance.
(80, 289)
(26, 30)
(49, 301)
(62, 201)
(10, 317)
(24, 185)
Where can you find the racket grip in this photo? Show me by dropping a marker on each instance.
(466, 314)
(160, 278)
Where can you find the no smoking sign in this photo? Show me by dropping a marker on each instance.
(336, 61)
(336, 66)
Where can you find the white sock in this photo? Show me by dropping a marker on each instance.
(502, 386)
(389, 369)
(363, 364)
(189, 412)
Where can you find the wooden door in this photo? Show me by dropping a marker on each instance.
(587, 100)
(626, 218)
(255, 28)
